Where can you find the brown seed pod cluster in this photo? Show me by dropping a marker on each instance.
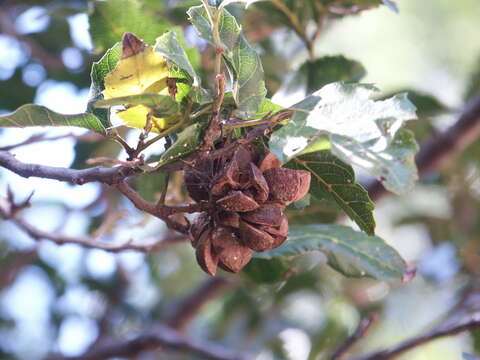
(249, 194)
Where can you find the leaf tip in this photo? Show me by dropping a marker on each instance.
(131, 45)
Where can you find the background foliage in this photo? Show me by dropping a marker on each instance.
(67, 299)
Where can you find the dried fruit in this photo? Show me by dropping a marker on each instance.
(287, 185)
(248, 198)
(232, 256)
(237, 201)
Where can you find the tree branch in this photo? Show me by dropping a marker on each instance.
(439, 148)
(101, 174)
(441, 331)
(163, 212)
(162, 336)
(9, 211)
(357, 335)
(187, 308)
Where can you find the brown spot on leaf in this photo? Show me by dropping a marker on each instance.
(131, 45)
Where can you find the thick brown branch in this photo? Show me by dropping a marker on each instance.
(186, 309)
(161, 337)
(101, 174)
(439, 148)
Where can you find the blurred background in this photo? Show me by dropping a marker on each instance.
(67, 299)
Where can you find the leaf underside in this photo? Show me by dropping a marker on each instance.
(361, 131)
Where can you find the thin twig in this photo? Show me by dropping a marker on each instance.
(10, 271)
(163, 212)
(107, 160)
(214, 128)
(35, 138)
(48, 60)
(362, 329)
(297, 27)
(162, 336)
(438, 332)
(9, 211)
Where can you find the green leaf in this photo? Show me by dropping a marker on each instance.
(241, 60)
(180, 67)
(350, 252)
(394, 165)
(427, 105)
(163, 105)
(332, 179)
(266, 107)
(99, 70)
(187, 142)
(325, 70)
(361, 131)
(35, 115)
(110, 19)
(169, 47)
(263, 271)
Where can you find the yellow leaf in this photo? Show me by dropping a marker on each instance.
(137, 74)
(135, 116)
(140, 70)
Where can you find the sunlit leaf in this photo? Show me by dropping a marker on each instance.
(332, 179)
(99, 70)
(350, 252)
(267, 107)
(242, 61)
(361, 131)
(180, 67)
(168, 46)
(163, 105)
(140, 77)
(35, 115)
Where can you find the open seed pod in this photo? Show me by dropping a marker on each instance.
(232, 255)
(248, 198)
(287, 185)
